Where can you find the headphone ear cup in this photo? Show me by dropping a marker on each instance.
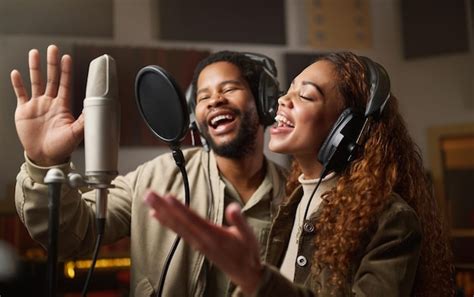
(267, 101)
(339, 147)
(193, 125)
(191, 102)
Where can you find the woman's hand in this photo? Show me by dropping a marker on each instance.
(234, 249)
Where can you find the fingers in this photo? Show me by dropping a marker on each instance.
(174, 215)
(234, 217)
(53, 69)
(65, 81)
(18, 87)
(235, 256)
(37, 88)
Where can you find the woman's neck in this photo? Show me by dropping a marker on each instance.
(309, 165)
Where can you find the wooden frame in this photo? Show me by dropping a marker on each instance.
(451, 149)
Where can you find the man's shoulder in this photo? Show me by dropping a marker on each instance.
(191, 155)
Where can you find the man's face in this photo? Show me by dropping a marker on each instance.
(226, 110)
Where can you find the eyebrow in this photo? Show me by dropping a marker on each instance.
(225, 82)
(306, 82)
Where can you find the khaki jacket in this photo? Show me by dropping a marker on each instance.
(128, 215)
(386, 266)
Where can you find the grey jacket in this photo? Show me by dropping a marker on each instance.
(127, 215)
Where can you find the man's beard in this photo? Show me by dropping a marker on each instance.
(245, 141)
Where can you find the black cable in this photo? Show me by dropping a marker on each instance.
(180, 162)
(100, 233)
(323, 175)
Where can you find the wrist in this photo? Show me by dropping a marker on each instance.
(46, 162)
(251, 287)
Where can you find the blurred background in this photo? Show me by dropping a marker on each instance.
(425, 45)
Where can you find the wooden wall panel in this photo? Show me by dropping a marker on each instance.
(129, 60)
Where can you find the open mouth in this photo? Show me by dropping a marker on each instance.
(282, 121)
(221, 120)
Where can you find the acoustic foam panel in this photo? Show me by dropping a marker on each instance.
(84, 18)
(434, 27)
(244, 21)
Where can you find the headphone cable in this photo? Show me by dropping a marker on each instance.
(321, 177)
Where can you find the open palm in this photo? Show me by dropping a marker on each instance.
(234, 248)
(45, 125)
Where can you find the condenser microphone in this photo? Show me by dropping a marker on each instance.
(101, 128)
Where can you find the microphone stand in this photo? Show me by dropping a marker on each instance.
(54, 179)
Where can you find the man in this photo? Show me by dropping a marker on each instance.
(235, 170)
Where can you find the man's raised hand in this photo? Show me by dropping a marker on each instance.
(44, 123)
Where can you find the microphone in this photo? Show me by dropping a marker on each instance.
(101, 128)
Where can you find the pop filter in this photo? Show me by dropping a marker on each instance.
(165, 111)
(162, 104)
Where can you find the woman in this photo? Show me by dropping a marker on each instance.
(371, 229)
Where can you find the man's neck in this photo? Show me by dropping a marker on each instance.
(246, 174)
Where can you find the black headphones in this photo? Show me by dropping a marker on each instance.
(268, 92)
(343, 142)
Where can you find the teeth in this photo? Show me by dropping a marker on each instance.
(220, 117)
(282, 120)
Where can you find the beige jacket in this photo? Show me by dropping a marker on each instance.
(127, 215)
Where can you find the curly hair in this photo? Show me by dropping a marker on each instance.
(391, 162)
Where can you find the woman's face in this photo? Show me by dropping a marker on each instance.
(307, 112)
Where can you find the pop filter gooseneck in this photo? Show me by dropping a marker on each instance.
(164, 109)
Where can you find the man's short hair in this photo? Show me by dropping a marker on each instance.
(249, 69)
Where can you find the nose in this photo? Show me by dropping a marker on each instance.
(285, 100)
(217, 99)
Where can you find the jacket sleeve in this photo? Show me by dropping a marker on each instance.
(77, 224)
(387, 267)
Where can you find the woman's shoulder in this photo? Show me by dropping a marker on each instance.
(399, 215)
(398, 206)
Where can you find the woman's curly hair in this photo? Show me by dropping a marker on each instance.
(391, 162)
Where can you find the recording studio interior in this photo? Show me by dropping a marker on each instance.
(427, 47)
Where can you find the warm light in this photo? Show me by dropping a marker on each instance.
(70, 267)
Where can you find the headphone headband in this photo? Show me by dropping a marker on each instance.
(265, 61)
(379, 88)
